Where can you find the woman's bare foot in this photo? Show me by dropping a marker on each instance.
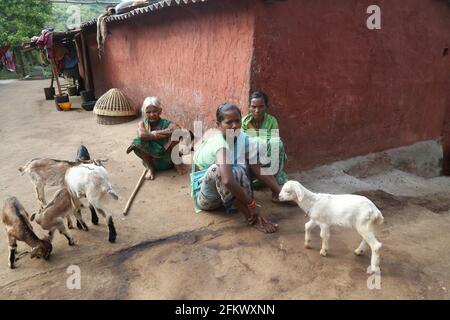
(181, 169)
(265, 226)
(150, 175)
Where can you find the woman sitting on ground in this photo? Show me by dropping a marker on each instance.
(224, 176)
(153, 143)
(257, 119)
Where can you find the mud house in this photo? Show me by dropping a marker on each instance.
(338, 88)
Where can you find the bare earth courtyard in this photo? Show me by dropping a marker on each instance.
(166, 251)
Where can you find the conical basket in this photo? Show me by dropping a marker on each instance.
(114, 107)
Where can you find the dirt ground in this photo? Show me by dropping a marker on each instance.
(166, 251)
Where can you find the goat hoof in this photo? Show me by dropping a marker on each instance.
(79, 225)
(358, 252)
(307, 246)
(71, 243)
(323, 253)
(11, 266)
(94, 222)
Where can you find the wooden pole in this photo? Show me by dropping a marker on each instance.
(55, 72)
(135, 191)
(89, 83)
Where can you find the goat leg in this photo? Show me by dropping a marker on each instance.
(50, 235)
(77, 213)
(40, 195)
(94, 217)
(69, 222)
(325, 235)
(80, 223)
(361, 248)
(311, 224)
(112, 230)
(12, 256)
(62, 229)
(12, 251)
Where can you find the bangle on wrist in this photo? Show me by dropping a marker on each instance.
(252, 204)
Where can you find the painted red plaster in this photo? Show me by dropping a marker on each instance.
(194, 57)
(339, 89)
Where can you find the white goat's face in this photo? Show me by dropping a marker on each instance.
(288, 192)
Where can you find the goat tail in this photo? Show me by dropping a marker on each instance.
(378, 218)
(113, 194)
(25, 168)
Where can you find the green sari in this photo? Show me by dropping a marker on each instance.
(157, 149)
(269, 123)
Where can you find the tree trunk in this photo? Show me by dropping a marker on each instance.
(19, 61)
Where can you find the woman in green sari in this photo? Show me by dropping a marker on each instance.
(257, 119)
(153, 143)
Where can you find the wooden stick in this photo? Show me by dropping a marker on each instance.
(135, 191)
(55, 72)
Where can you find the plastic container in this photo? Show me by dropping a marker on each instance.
(66, 106)
(61, 99)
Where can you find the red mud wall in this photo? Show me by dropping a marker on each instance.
(339, 89)
(194, 57)
(446, 143)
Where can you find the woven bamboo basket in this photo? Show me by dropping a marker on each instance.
(114, 107)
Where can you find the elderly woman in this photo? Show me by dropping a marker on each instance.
(257, 119)
(223, 179)
(153, 142)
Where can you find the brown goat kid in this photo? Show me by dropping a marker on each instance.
(18, 228)
(51, 218)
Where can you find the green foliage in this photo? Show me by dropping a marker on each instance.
(6, 75)
(61, 13)
(22, 19)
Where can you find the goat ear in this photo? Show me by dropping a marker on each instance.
(300, 193)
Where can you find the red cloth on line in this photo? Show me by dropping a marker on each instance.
(46, 41)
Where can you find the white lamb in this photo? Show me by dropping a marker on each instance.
(345, 210)
(91, 181)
